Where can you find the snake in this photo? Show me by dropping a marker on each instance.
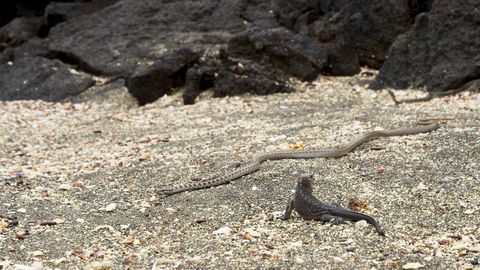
(423, 126)
(435, 94)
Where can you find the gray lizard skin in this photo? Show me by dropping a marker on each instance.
(310, 208)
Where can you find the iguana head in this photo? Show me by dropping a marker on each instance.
(305, 181)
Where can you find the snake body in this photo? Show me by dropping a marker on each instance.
(424, 125)
(435, 94)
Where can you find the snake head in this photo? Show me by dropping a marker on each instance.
(305, 181)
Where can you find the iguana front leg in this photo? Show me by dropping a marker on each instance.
(288, 210)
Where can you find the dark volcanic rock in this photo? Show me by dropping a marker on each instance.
(6, 55)
(33, 47)
(246, 76)
(351, 33)
(295, 15)
(257, 61)
(441, 52)
(200, 77)
(7, 12)
(19, 39)
(343, 59)
(294, 54)
(21, 8)
(369, 27)
(40, 78)
(289, 12)
(238, 46)
(148, 83)
(115, 39)
(232, 76)
(57, 12)
(258, 13)
(19, 30)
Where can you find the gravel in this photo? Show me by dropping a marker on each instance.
(79, 180)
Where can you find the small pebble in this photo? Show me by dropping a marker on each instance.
(466, 266)
(414, 265)
(105, 265)
(296, 244)
(59, 261)
(299, 260)
(422, 186)
(223, 231)
(458, 246)
(350, 249)
(252, 232)
(338, 260)
(33, 266)
(162, 261)
(65, 187)
(111, 207)
(80, 220)
(361, 224)
(37, 253)
(428, 258)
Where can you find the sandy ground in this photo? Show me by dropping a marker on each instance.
(79, 180)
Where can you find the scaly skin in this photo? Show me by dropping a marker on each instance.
(435, 94)
(424, 125)
(310, 208)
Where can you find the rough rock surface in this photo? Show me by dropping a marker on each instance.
(19, 30)
(441, 51)
(20, 8)
(230, 76)
(367, 27)
(294, 54)
(31, 48)
(57, 12)
(114, 40)
(40, 78)
(117, 38)
(297, 15)
(148, 83)
(246, 76)
(199, 78)
(257, 61)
